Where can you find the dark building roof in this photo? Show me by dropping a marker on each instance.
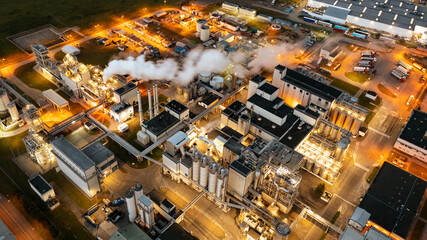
(73, 153)
(234, 145)
(126, 88)
(241, 168)
(176, 106)
(120, 107)
(393, 199)
(97, 152)
(270, 106)
(231, 132)
(160, 123)
(272, 128)
(40, 184)
(268, 88)
(257, 79)
(296, 134)
(415, 130)
(236, 106)
(210, 99)
(308, 84)
(176, 232)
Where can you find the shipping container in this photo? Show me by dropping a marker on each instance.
(326, 24)
(359, 35)
(310, 20)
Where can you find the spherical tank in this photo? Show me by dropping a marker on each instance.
(200, 23)
(204, 171)
(130, 202)
(205, 77)
(205, 33)
(213, 168)
(4, 100)
(316, 169)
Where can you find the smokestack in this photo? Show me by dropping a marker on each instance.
(141, 118)
(156, 100)
(234, 81)
(150, 107)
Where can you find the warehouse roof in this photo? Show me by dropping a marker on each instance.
(40, 184)
(55, 98)
(393, 199)
(337, 12)
(97, 152)
(234, 145)
(268, 88)
(308, 84)
(415, 130)
(176, 106)
(160, 123)
(74, 154)
(125, 88)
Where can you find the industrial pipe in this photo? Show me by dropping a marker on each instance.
(141, 117)
(150, 107)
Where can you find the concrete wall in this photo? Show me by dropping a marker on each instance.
(411, 149)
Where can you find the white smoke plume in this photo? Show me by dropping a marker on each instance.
(197, 61)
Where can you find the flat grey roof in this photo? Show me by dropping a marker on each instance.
(97, 152)
(73, 153)
(176, 106)
(126, 88)
(337, 12)
(55, 97)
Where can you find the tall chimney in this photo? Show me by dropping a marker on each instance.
(141, 117)
(156, 100)
(234, 81)
(150, 107)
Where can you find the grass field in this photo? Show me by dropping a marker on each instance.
(57, 224)
(32, 78)
(23, 15)
(368, 103)
(124, 155)
(357, 76)
(345, 86)
(92, 53)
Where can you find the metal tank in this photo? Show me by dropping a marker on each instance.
(205, 77)
(138, 192)
(323, 173)
(213, 168)
(348, 122)
(316, 169)
(327, 131)
(204, 171)
(331, 177)
(334, 115)
(222, 174)
(205, 33)
(341, 117)
(356, 126)
(4, 100)
(187, 94)
(339, 151)
(13, 111)
(194, 90)
(196, 163)
(334, 133)
(200, 23)
(309, 164)
(217, 82)
(321, 128)
(179, 90)
(131, 205)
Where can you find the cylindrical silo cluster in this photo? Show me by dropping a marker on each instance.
(348, 115)
(309, 164)
(217, 82)
(329, 131)
(4, 101)
(196, 163)
(138, 192)
(222, 175)
(200, 23)
(13, 111)
(316, 168)
(131, 205)
(213, 168)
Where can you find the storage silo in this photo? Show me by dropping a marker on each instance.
(196, 163)
(321, 128)
(348, 122)
(4, 100)
(205, 33)
(323, 173)
(334, 115)
(217, 82)
(316, 169)
(200, 23)
(187, 94)
(204, 171)
(213, 168)
(341, 117)
(194, 90)
(205, 77)
(13, 111)
(331, 176)
(309, 164)
(356, 126)
(138, 191)
(334, 133)
(131, 205)
(327, 131)
(339, 151)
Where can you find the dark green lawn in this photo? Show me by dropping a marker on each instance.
(343, 85)
(32, 78)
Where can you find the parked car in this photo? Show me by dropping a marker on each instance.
(117, 202)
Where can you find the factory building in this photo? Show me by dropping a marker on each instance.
(413, 137)
(121, 111)
(230, 7)
(127, 93)
(44, 63)
(84, 167)
(44, 190)
(345, 113)
(396, 17)
(40, 151)
(331, 52)
(389, 206)
(296, 88)
(158, 126)
(8, 109)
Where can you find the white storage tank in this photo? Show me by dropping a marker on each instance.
(205, 77)
(321, 128)
(13, 111)
(138, 191)
(331, 177)
(213, 168)
(334, 133)
(217, 82)
(196, 163)
(205, 33)
(308, 164)
(316, 169)
(222, 174)
(339, 151)
(131, 205)
(4, 100)
(204, 171)
(200, 23)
